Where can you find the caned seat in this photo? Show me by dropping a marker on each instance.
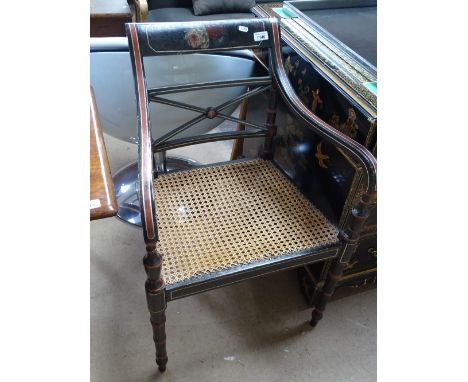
(215, 218)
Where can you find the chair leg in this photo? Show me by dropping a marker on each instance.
(333, 277)
(350, 238)
(158, 322)
(155, 297)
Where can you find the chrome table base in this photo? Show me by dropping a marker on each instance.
(125, 185)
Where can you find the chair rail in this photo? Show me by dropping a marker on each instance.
(255, 81)
(202, 36)
(145, 152)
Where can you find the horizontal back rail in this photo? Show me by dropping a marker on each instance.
(202, 36)
(253, 81)
(205, 138)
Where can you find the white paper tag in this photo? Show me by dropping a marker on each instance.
(260, 36)
(95, 203)
(243, 28)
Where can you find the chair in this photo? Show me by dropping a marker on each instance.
(179, 10)
(215, 225)
(141, 10)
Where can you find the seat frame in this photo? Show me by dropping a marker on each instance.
(150, 39)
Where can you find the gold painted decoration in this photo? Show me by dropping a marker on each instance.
(321, 157)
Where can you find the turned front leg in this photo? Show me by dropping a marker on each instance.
(333, 277)
(349, 238)
(155, 297)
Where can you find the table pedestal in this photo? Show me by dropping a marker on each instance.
(126, 191)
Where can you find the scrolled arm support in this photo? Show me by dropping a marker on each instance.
(349, 236)
(323, 129)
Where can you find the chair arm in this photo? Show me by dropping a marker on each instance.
(327, 132)
(141, 10)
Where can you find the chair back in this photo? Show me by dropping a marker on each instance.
(154, 39)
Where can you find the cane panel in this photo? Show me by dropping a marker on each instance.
(215, 218)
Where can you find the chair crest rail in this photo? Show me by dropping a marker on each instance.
(205, 36)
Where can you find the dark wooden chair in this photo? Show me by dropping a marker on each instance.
(215, 225)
